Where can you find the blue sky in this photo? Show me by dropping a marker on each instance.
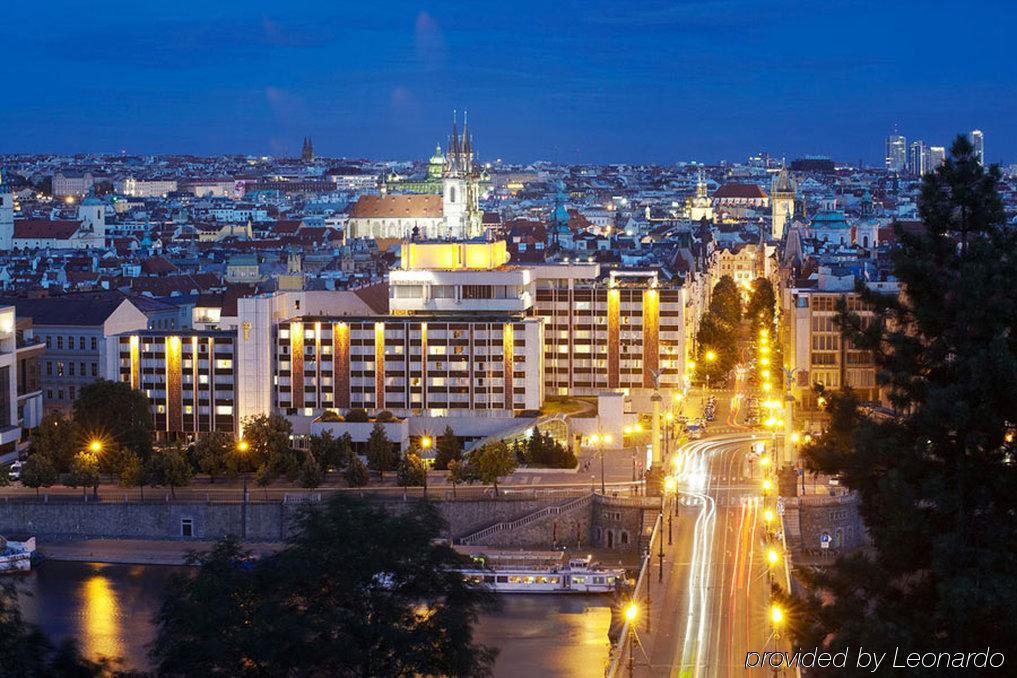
(570, 81)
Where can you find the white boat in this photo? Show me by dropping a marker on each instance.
(579, 575)
(16, 556)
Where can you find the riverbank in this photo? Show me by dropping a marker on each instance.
(134, 551)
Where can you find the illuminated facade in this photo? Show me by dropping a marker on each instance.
(189, 378)
(437, 366)
(617, 332)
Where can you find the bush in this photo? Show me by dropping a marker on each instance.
(358, 416)
(356, 472)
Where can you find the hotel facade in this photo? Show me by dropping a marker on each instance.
(465, 339)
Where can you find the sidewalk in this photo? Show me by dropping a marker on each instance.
(135, 551)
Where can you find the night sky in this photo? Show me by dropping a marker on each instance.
(567, 81)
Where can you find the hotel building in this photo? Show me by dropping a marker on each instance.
(465, 339)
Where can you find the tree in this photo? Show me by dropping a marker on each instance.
(328, 451)
(460, 472)
(492, 461)
(212, 453)
(38, 471)
(449, 447)
(112, 410)
(343, 598)
(268, 439)
(169, 468)
(936, 483)
(716, 338)
(310, 473)
(412, 471)
(356, 472)
(84, 473)
(58, 438)
(762, 304)
(134, 473)
(726, 301)
(381, 456)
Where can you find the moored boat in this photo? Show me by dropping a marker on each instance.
(578, 575)
(16, 556)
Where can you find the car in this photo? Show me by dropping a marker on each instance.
(14, 470)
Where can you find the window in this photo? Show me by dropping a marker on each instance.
(60, 343)
(70, 369)
(186, 527)
(95, 369)
(93, 344)
(81, 343)
(49, 368)
(60, 369)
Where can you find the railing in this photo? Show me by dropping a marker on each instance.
(623, 646)
(527, 519)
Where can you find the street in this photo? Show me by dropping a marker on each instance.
(713, 604)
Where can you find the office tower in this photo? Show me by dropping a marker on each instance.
(937, 154)
(896, 153)
(978, 141)
(918, 158)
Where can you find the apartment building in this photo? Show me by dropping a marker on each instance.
(20, 395)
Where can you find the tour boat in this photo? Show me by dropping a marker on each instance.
(16, 556)
(579, 575)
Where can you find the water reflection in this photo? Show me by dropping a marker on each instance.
(109, 609)
(100, 633)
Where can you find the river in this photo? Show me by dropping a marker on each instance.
(109, 608)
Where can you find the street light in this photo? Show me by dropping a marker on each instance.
(631, 613)
(242, 447)
(767, 486)
(671, 487)
(768, 516)
(598, 440)
(772, 557)
(95, 446)
(426, 442)
(776, 615)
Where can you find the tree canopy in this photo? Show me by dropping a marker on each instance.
(936, 483)
(356, 592)
(112, 410)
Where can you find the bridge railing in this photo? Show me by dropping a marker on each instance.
(624, 646)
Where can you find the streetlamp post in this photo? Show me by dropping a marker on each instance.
(243, 447)
(426, 442)
(631, 612)
(671, 487)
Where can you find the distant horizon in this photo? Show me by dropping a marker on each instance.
(574, 83)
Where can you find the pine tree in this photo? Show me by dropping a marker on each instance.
(936, 484)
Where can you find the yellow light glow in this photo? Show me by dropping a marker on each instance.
(243, 445)
(691, 364)
(631, 612)
(426, 442)
(678, 397)
(669, 417)
(764, 461)
(796, 437)
(772, 557)
(594, 439)
(770, 423)
(776, 614)
(764, 361)
(766, 387)
(607, 438)
(670, 484)
(710, 356)
(765, 374)
(95, 446)
(768, 516)
(764, 349)
(763, 333)
(628, 430)
(767, 485)
(101, 633)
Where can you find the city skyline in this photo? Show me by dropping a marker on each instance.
(688, 85)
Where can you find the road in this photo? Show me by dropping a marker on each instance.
(713, 605)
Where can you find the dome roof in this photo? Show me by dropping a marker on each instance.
(829, 219)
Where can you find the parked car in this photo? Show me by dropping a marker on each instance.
(14, 471)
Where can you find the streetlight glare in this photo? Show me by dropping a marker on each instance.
(764, 461)
(670, 484)
(631, 611)
(594, 439)
(678, 397)
(243, 445)
(95, 446)
(772, 557)
(426, 442)
(767, 485)
(768, 516)
(607, 437)
(776, 614)
(710, 356)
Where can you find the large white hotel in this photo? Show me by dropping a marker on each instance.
(466, 338)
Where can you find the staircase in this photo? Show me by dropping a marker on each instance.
(527, 519)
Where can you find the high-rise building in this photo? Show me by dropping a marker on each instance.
(895, 159)
(978, 141)
(918, 158)
(937, 154)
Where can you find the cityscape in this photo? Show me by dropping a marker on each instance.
(457, 386)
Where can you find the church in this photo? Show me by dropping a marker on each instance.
(88, 230)
(454, 214)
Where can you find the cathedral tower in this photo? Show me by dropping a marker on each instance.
(782, 202)
(6, 216)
